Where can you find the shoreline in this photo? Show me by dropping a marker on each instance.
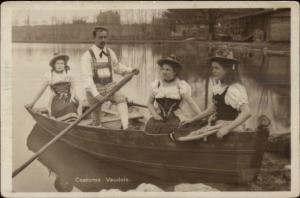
(286, 44)
(90, 41)
(265, 47)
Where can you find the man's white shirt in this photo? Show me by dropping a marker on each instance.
(87, 68)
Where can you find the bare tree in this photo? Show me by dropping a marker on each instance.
(108, 18)
(211, 17)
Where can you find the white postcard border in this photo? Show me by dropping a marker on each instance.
(6, 71)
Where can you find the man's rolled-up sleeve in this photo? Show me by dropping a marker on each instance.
(87, 74)
(118, 67)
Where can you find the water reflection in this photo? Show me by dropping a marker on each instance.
(272, 71)
(76, 169)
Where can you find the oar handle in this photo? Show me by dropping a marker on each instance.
(120, 84)
(131, 103)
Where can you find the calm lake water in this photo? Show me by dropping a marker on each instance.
(265, 77)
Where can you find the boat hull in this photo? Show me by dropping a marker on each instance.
(234, 159)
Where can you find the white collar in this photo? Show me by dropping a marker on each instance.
(97, 50)
(218, 87)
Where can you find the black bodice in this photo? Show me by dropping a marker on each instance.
(224, 111)
(167, 106)
(61, 88)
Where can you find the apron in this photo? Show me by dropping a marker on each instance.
(61, 107)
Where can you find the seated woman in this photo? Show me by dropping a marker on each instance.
(63, 104)
(169, 93)
(230, 101)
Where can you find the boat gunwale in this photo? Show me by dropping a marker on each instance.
(115, 130)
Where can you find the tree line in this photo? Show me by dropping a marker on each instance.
(173, 24)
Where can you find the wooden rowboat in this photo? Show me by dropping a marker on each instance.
(234, 159)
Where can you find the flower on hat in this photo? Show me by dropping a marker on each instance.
(223, 53)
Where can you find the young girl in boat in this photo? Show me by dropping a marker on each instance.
(169, 94)
(63, 104)
(230, 108)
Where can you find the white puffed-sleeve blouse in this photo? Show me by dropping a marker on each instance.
(180, 89)
(176, 90)
(236, 94)
(54, 77)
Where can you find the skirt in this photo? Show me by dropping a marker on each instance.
(64, 110)
(162, 126)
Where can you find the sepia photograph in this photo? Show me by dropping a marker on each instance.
(149, 99)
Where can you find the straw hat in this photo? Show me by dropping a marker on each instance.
(58, 56)
(225, 55)
(171, 60)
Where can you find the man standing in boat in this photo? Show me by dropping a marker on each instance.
(98, 64)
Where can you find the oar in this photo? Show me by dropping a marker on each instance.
(91, 109)
(131, 103)
(201, 133)
(197, 137)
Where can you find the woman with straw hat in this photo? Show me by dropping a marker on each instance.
(230, 107)
(63, 104)
(169, 93)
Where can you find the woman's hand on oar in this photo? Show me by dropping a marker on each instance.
(118, 86)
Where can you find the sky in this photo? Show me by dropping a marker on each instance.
(47, 17)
